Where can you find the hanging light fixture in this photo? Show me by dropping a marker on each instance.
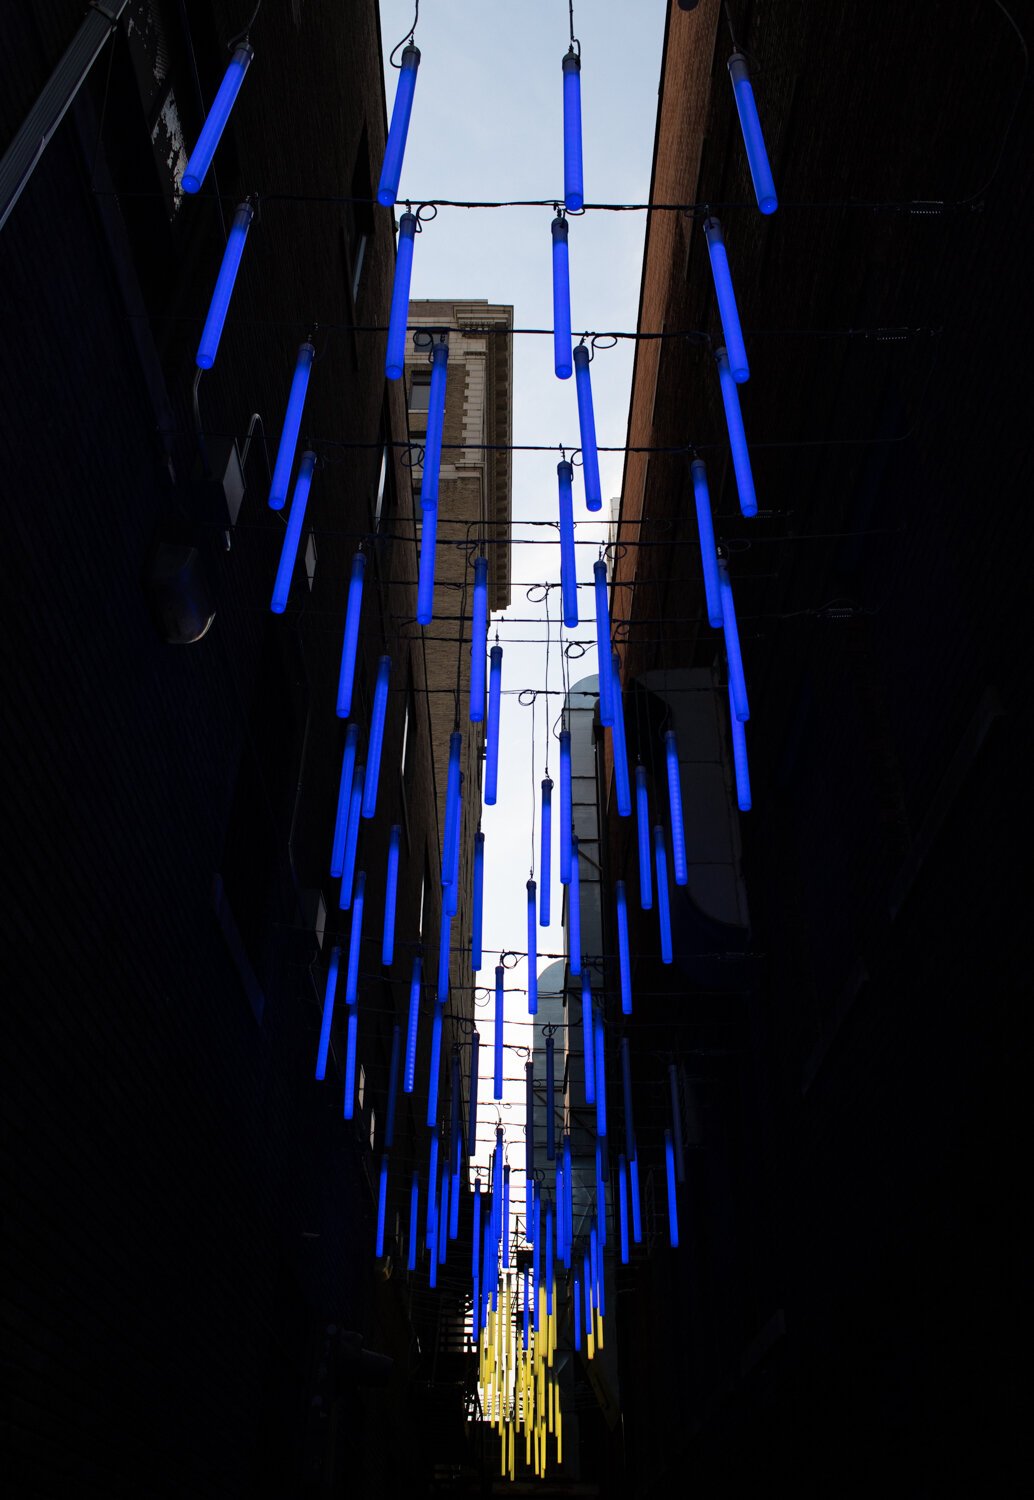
(497, 1088)
(624, 963)
(753, 139)
(395, 358)
(568, 573)
(676, 1115)
(550, 1102)
(588, 1042)
(391, 896)
(382, 1202)
(562, 359)
(350, 1048)
(353, 612)
(444, 948)
(434, 1070)
(587, 430)
(376, 744)
(292, 426)
(623, 1208)
(344, 798)
(739, 757)
(660, 853)
(599, 573)
(600, 1080)
(409, 1077)
(673, 1208)
(529, 1145)
(472, 1110)
(425, 571)
(546, 850)
(576, 1309)
(678, 834)
(293, 533)
(505, 1237)
(565, 806)
(475, 1257)
(626, 1088)
(708, 551)
(479, 901)
(328, 1013)
(533, 979)
(352, 838)
(414, 1203)
(452, 803)
(727, 309)
(643, 831)
(737, 437)
(355, 938)
(622, 789)
(216, 119)
(395, 149)
(224, 284)
(574, 193)
(479, 643)
(495, 693)
(431, 1221)
(393, 1087)
(734, 656)
(435, 425)
(574, 913)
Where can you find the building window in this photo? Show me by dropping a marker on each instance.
(420, 391)
(359, 216)
(382, 487)
(362, 1085)
(373, 1128)
(310, 559)
(420, 920)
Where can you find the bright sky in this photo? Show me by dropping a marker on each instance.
(487, 124)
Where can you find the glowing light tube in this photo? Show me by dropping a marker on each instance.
(425, 569)
(676, 1127)
(497, 1082)
(224, 283)
(529, 1130)
(452, 803)
(574, 192)
(546, 854)
(495, 693)
(409, 1077)
(395, 150)
(355, 939)
(621, 786)
(451, 894)
(753, 139)
(443, 1213)
(444, 946)
(395, 358)
(601, 1081)
(536, 1264)
(594, 1265)
(642, 807)
(660, 853)
(550, 1101)
(292, 426)
(353, 1023)
(431, 1223)
(562, 361)
(526, 1329)
(479, 901)
(351, 839)
(293, 533)
(344, 800)
(435, 423)
(215, 120)
(353, 611)
(574, 914)
(328, 1013)
(479, 644)
(565, 806)
(623, 1209)
(587, 1288)
(587, 430)
(673, 1208)
(637, 1219)
(568, 573)
(414, 1204)
(533, 978)
(549, 1262)
(382, 1203)
(475, 1240)
(558, 1194)
(576, 1308)
(739, 757)
(737, 680)
(588, 1044)
(737, 437)
(678, 835)
(569, 1201)
(626, 1087)
(708, 552)
(435, 1068)
(506, 1218)
(455, 1144)
(391, 897)
(599, 574)
(727, 308)
(624, 963)
(393, 1087)
(472, 1108)
(376, 744)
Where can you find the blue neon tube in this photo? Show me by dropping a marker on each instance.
(454, 1206)
(550, 1101)
(558, 1196)
(224, 283)
(621, 786)
(588, 1045)
(472, 1109)
(660, 854)
(536, 1261)
(395, 149)
(344, 801)
(624, 962)
(727, 308)
(215, 120)
(497, 1185)
(562, 361)
(549, 1262)
(568, 572)
(451, 893)
(479, 643)
(599, 573)
(529, 1132)
(594, 1266)
(293, 533)
(626, 1087)
(737, 437)
(435, 423)
(455, 1144)
(452, 803)
(601, 1209)
(409, 1077)
(475, 1238)
(497, 1082)
(393, 1087)
(425, 569)
(568, 1191)
(355, 939)
(708, 551)
(601, 1081)
(292, 426)
(353, 1024)
(678, 833)
(434, 1068)
(676, 1127)
(533, 977)
(353, 611)
(587, 1289)
(495, 693)
(574, 914)
(376, 742)
(546, 854)
(382, 1203)
(479, 901)
(574, 190)
(642, 808)
(587, 430)
(506, 1217)
(734, 656)
(328, 1013)
(431, 1226)
(637, 1219)
(623, 1209)
(739, 756)
(526, 1330)
(566, 822)
(443, 1215)
(395, 357)
(576, 1308)
(444, 947)
(414, 1206)
(351, 839)
(673, 1208)
(753, 139)
(391, 886)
